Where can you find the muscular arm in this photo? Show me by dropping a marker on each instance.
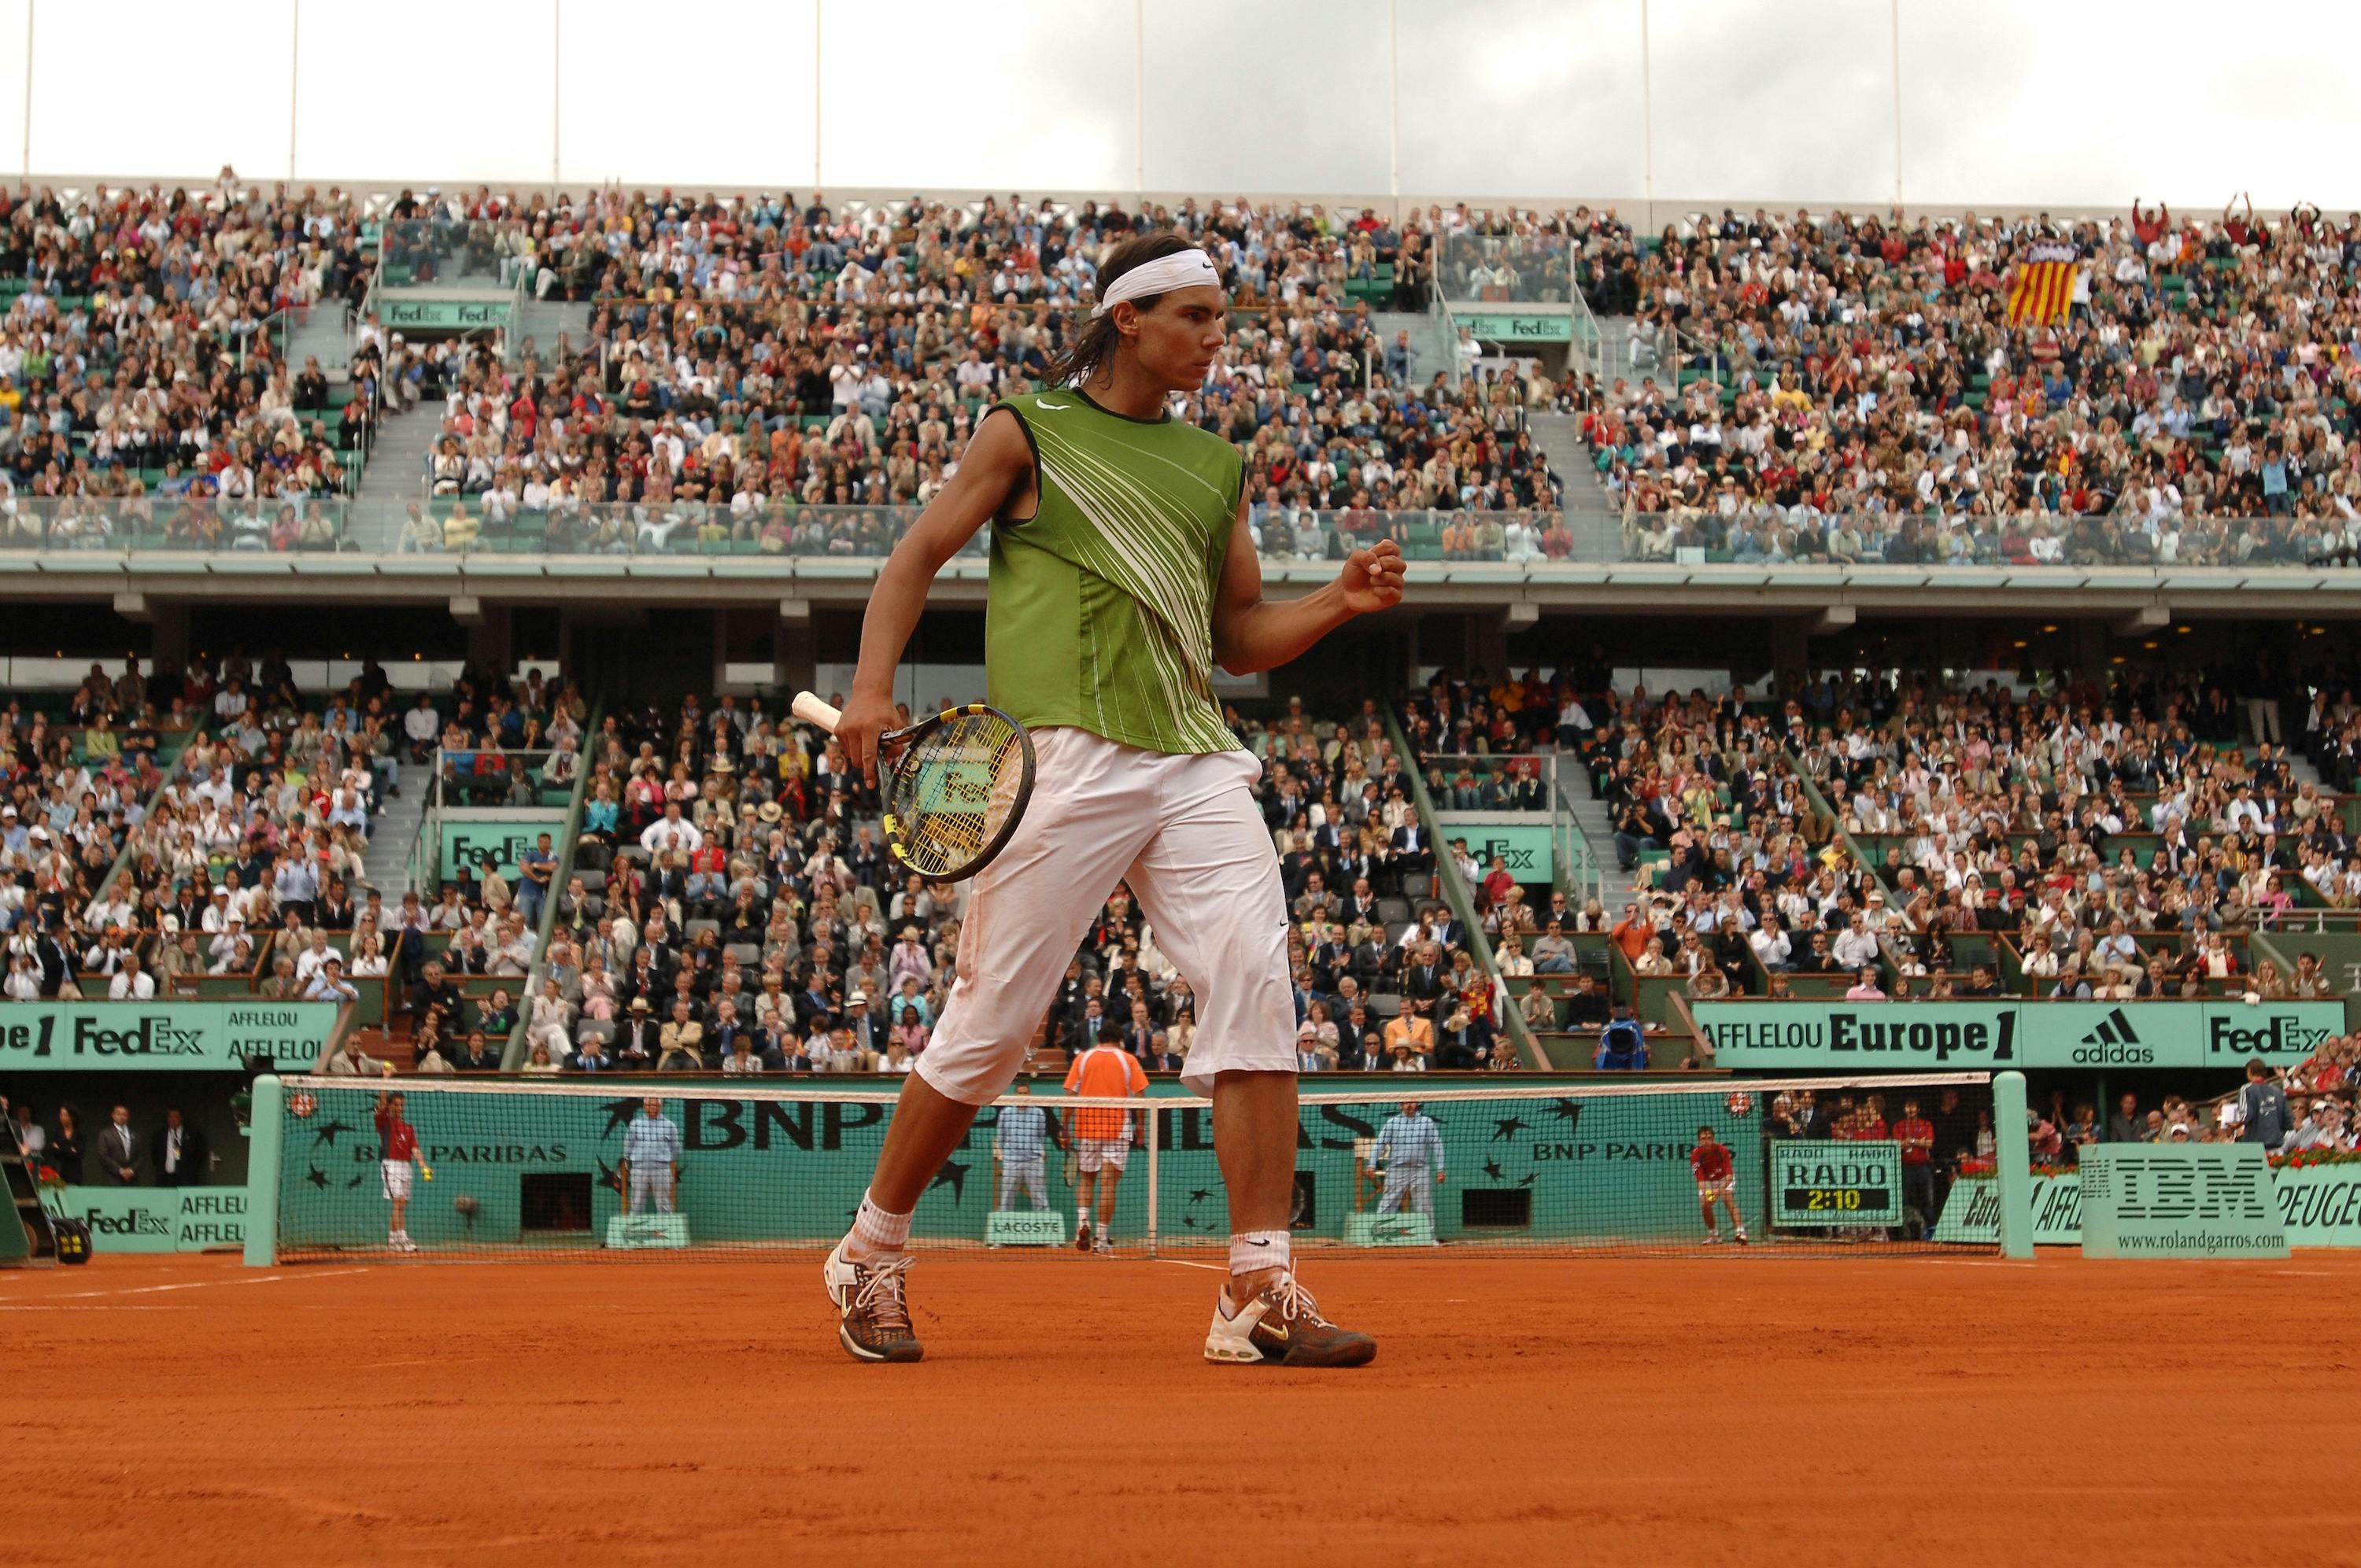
(998, 463)
(1251, 633)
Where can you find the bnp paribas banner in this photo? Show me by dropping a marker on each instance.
(2319, 1205)
(155, 1036)
(1849, 1037)
(536, 1169)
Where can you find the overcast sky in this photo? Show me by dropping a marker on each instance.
(2014, 102)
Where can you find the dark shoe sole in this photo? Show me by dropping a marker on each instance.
(908, 1350)
(1349, 1350)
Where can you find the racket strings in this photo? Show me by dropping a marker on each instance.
(954, 790)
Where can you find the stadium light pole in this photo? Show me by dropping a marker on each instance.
(1647, 121)
(294, 76)
(1393, 103)
(26, 152)
(1893, 34)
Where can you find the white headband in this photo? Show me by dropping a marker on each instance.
(1182, 269)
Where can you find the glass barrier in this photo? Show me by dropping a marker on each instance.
(450, 252)
(1505, 268)
(1767, 536)
(495, 524)
(175, 524)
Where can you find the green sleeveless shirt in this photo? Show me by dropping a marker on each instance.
(1102, 602)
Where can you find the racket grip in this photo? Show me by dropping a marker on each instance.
(812, 710)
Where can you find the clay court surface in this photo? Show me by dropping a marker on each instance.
(1725, 1410)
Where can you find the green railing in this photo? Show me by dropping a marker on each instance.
(514, 1054)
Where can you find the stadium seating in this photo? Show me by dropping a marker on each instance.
(1840, 389)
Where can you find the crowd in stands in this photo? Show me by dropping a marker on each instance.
(1850, 388)
(143, 390)
(2097, 844)
(135, 881)
(782, 377)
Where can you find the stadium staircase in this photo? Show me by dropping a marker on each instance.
(395, 829)
(1590, 511)
(1598, 825)
(1428, 353)
(397, 468)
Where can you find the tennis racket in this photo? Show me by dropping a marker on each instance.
(957, 791)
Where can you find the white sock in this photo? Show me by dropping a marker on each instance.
(875, 1231)
(1083, 1219)
(1252, 1250)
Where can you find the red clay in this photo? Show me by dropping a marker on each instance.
(1723, 1411)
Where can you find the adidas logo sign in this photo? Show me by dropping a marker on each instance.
(2115, 1043)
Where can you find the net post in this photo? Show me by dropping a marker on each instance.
(1155, 1142)
(2015, 1175)
(267, 1125)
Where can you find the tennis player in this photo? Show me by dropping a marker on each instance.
(1103, 1136)
(397, 1155)
(1122, 573)
(1717, 1181)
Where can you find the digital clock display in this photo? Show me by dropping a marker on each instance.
(1817, 1183)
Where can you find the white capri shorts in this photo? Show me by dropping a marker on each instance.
(1092, 1153)
(397, 1177)
(1184, 832)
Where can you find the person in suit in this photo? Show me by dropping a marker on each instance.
(176, 1153)
(56, 961)
(1424, 977)
(1159, 1056)
(122, 1159)
(1413, 851)
(64, 1151)
(870, 1030)
(1140, 1036)
(638, 1038)
(479, 1055)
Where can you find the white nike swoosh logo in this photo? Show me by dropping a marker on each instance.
(1048, 407)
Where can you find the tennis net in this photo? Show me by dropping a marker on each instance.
(648, 1168)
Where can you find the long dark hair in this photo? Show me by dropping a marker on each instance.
(1094, 344)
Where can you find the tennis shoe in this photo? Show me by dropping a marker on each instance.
(1082, 1236)
(873, 1307)
(1280, 1325)
(1104, 1247)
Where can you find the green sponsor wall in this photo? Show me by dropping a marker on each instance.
(2180, 1200)
(157, 1037)
(1503, 326)
(1522, 838)
(157, 1219)
(762, 1171)
(1952, 1036)
(2319, 1205)
(401, 314)
(492, 840)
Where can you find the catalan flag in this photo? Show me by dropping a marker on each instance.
(2042, 289)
